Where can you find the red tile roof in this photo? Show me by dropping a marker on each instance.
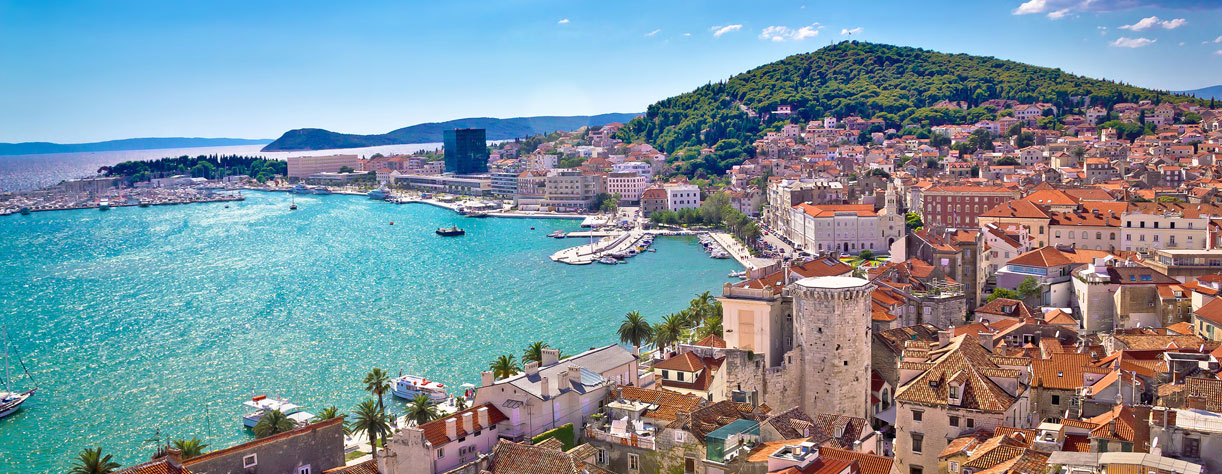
(435, 431)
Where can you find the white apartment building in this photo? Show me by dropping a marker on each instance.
(848, 228)
(628, 186)
(638, 167)
(1156, 226)
(682, 196)
(570, 190)
(301, 167)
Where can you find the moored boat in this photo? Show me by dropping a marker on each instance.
(608, 260)
(261, 405)
(11, 401)
(408, 386)
(379, 194)
(300, 189)
(558, 234)
(452, 231)
(104, 205)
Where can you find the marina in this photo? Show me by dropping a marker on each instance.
(216, 302)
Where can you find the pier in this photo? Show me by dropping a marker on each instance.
(589, 253)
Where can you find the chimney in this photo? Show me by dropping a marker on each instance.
(550, 356)
(943, 337)
(532, 368)
(573, 374)
(545, 386)
(467, 424)
(174, 456)
(986, 340)
(452, 428)
(486, 378)
(482, 414)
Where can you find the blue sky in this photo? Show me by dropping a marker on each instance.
(74, 71)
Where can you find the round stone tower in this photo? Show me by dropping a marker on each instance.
(831, 328)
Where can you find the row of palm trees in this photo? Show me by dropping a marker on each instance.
(92, 461)
(700, 319)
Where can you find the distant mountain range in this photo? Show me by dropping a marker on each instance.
(1211, 92)
(31, 148)
(498, 129)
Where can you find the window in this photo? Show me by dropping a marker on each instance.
(954, 466)
(634, 462)
(250, 460)
(680, 436)
(1192, 448)
(601, 457)
(916, 470)
(916, 415)
(954, 421)
(917, 441)
(441, 453)
(304, 469)
(1155, 224)
(665, 374)
(1056, 399)
(971, 423)
(954, 391)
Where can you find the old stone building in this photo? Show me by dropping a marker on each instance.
(827, 369)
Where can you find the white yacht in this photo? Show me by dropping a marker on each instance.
(379, 194)
(408, 386)
(260, 405)
(11, 401)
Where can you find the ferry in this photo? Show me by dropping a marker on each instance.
(260, 405)
(451, 232)
(379, 194)
(559, 234)
(408, 386)
(104, 205)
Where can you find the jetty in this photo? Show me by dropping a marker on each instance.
(589, 253)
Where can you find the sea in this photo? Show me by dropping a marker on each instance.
(25, 172)
(142, 325)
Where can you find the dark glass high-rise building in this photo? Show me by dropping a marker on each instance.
(466, 151)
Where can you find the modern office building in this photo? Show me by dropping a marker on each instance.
(466, 151)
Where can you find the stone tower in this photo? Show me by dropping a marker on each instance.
(832, 338)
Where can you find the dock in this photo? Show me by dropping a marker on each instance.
(589, 253)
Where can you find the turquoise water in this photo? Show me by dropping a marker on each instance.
(139, 320)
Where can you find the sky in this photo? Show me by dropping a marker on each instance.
(81, 71)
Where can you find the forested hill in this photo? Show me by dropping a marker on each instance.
(897, 84)
(497, 129)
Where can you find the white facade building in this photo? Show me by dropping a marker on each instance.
(682, 196)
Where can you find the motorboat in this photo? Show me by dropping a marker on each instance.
(408, 386)
(300, 189)
(608, 260)
(144, 203)
(558, 234)
(104, 205)
(261, 405)
(477, 214)
(738, 274)
(379, 194)
(25, 211)
(321, 190)
(451, 232)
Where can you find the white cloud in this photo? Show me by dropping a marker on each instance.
(1123, 42)
(651, 33)
(1181, 43)
(785, 33)
(1218, 39)
(1031, 6)
(1153, 21)
(1058, 14)
(1218, 52)
(721, 30)
(1102, 29)
(848, 31)
(563, 22)
(687, 34)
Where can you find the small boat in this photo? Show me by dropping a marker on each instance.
(25, 211)
(145, 203)
(300, 189)
(559, 234)
(408, 386)
(321, 190)
(104, 205)
(477, 214)
(260, 405)
(652, 250)
(737, 274)
(379, 194)
(720, 255)
(608, 260)
(452, 231)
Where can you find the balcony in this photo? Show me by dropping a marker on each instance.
(624, 431)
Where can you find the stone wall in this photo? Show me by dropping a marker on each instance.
(319, 446)
(832, 334)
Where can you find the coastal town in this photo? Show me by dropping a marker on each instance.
(1030, 293)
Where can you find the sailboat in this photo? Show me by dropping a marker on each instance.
(10, 401)
(293, 200)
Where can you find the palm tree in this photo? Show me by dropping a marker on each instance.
(634, 330)
(190, 447)
(701, 307)
(711, 326)
(371, 420)
(91, 461)
(534, 352)
(377, 382)
(504, 366)
(328, 413)
(668, 331)
(460, 403)
(273, 422)
(421, 410)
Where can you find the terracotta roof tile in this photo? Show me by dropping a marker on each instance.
(435, 431)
